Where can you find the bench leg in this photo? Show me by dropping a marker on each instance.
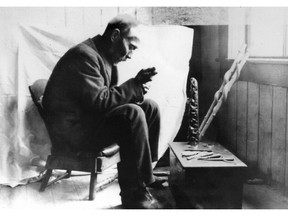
(45, 180)
(93, 181)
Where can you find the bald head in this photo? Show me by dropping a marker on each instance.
(122, 22)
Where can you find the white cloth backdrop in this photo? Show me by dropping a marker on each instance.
(28, 53)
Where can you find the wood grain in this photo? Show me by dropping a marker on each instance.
(286, 152)
(278, 134)
(242, 119)
(265, 129)
(230, 128)
(252, 124)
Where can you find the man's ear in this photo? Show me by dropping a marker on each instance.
(115, 35)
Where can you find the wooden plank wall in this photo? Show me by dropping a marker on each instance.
(89, 16)
(71, 16)
(255, 128)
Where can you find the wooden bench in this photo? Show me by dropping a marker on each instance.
(205, 184)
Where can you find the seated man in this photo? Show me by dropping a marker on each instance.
(88, 111)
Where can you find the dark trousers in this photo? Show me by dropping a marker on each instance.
(136, 129)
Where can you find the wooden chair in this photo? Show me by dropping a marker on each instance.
(81, 161)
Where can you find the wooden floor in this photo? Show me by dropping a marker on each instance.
(72, 194)
(263, 197)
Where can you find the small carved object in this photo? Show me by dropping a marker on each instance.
(193, 114)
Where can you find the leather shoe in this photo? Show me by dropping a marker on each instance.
(139, 199)
(158, 183)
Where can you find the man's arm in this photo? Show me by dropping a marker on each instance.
(93, 91)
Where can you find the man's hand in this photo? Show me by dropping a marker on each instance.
(145, 87)
(145, 75)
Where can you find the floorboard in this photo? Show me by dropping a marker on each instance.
(72, 194)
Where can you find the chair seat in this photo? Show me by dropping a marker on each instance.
(110, 150)
(106, 162)
(84, 161)
(105, 152)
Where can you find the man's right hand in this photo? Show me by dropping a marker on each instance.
(145, 75)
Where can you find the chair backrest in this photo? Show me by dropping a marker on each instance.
(37, 91)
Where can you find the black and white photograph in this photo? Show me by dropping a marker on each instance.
(167, 107)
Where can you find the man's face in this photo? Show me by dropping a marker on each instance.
(124, 46)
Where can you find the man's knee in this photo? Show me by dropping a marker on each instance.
(134, 112)
(150, 105)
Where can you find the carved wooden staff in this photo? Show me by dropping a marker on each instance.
(193, 114)
(230, 78)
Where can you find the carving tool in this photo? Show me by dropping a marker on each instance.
(188, 153)
(204, 157)
(217, 159)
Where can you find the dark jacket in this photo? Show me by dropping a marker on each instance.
(80, 90)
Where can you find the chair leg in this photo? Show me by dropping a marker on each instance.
(93, 181)
(45, 180)
(68, 174)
